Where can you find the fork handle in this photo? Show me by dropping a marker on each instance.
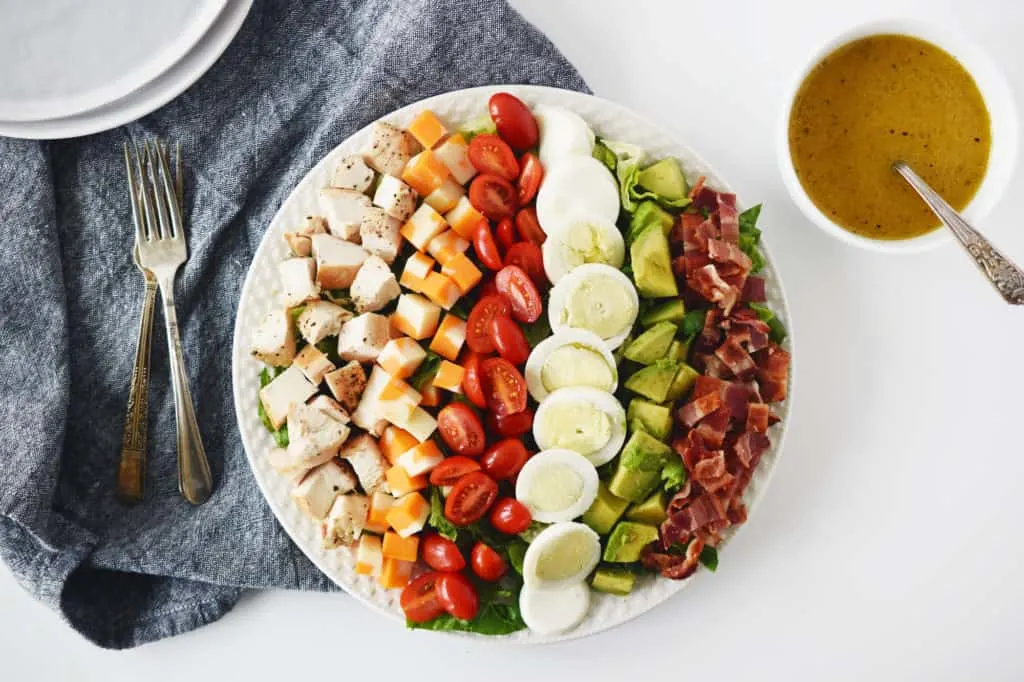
(131, 470)
(194, 478)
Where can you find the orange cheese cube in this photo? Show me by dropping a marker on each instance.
(454, 153)
(415, 316)
(397, 547)
(409, 514)
(427, 128)
(394, 442)
(380, 504)
(444, 198)
(463, 272)
(394, 573)
(464, 219)
(401, 357)
(398, 390)
(417, 267)
(449, 377)
(450, 336)
(419, 424)
(422, 458)
(446, 246)
(441, 290)
(369, 555)
(423, 225)
(401, 483)
(425, 173)
(431, 396)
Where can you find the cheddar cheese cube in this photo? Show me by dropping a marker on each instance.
(446, 246)
(369, 555)
(409, 514)
(461, 270)
(449, 377)
(380, 504)
(394, 573)
(401, 483)
(425, 173)
(394, 442)
(400, 357)
(454, 153)
(444, 198)
(421, 459)
(464, 219)
(416, 316)
(450, 336)
(431, 396)
(427, 129)
(423, 225)
(397, 547)
(440, 289)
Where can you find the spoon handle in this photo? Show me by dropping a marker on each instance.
(1005, 276)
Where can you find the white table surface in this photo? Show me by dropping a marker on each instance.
(888, 546)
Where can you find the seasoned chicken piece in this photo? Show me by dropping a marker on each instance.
(396, 198)
(297, 283)
(287, 388)
(390, 149)
(375, 286)
(313, 436)
(315, 493)
(274, 340)
(326, 403)
(367, 461)
(345, 521)
(337, 261)
(347, 384)
(367, 414)
(299, 241)
(321, 319)
(363, 338)
(353, 173)
(381, 234)
(313, 364)
(344, 210)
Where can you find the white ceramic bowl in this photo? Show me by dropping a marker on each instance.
(997, 98)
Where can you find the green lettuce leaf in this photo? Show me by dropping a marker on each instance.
(604, 155)
(426, 372)
(709, 557)
(776, 330)
(750, 236)
(437, 519)
(673, 474)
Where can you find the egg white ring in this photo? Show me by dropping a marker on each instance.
(576, 184)
(554, 533)
(551, 611)
(597, 398)
(555, 265)
(563, 133)
(567, 337)
(561, 290)
(534, 467)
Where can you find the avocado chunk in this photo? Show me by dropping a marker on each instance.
(633, 485)
(652, 345)
(652, 265)
(613, 580)
(628, 540)
(664, 178)
(638, 472)
(683, 382)
(671, 311)
(649, 214)
(605, 511)
(652, 510)
(654, 381)
(677, 351)
(653, 418)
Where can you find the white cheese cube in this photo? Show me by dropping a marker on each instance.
(445, 197)
(454, 153)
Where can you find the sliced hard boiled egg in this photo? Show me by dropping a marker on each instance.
(571, 357)
(557, 485)
(581, 239)
(561, 555)
(582, 419)
(563, 133)
(596, 297)
(576, 185)
(551, 611)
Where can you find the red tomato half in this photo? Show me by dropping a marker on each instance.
(529, 227)
(509, 340)
(504, 386)
(485, 247)
(452, 469)
(420, 599)
(510, 516)
(513, 119)
(493, 195)
(461, 429)
(505, 458)
(478, 326)
(491, 154)
(486, 563)
(471, 386)
(458, 596)
(511, 425)
(441, 554)
(528, 256)
(470, 498)
(521, 293)
(529, 178)
(506, 233)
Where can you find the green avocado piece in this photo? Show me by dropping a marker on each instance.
(654, 381)
(651, 346)
(652, 510)
(628, 540)
(683, 382)
(677, 351)
(664, 178)
(652, 265)
(638, 471)
(671, 311)
(653, 418)
(613, 580)
(605, 511)
(633, 485)
(649, 214)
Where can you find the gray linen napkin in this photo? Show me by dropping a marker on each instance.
(298, 79)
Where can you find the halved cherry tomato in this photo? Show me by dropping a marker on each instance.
(506, 233)
(487, 287)
(458, 596)
(441, 554)
(449, 471)
(493, 195)
(529, 227)
(529, 257)
(509, 516)
(504, 459)
(504, 386)
(520, 291)
(514, 121)
(461, 429)
(470, 498)
(529, 178)
(421, 600)
(471, 386)
(486, 563)
(509, 340)
(478, 326)
(485, 248)
(491, 154)
(511, 425)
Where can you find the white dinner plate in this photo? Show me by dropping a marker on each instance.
(260, 294)
(153, 94)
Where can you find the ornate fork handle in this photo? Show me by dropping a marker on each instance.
(1005, 276)
(131, 471)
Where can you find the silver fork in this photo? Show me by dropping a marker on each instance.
(160, 236)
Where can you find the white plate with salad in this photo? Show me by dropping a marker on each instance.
(512, 362)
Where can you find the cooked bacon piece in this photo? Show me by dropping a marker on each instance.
(736, 398)
(749, 448)
(758, 415)
(708, 283)
(705, 384)
(773, 373)
(722, 251)
(713, 428)
(711, 335)
(728, 218)
(736, 358)
(698, 408)
(754, 290)
(705, 512)
(674, 566)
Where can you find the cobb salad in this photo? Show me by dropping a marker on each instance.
(515, 363)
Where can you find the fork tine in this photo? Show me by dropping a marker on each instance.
(159, 198)
(179, 182)
(169, 193)
(133, 191)
(146, 195)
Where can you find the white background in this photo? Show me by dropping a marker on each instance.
(889, 544)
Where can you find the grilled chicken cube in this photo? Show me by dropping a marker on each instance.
(313, 436)
(344, 210)
(274, 340)
(297, 283)
(345, 521)
(367, 461)
(353, 173)
(313, 364)
(381, 234)
(363, 338)
(375, 286)
(326, 403)
(321, 319)
(288, 388)
(396, 198)
(347, 384)
(299, 242)
(315, 493)
(337, 261)
(390, 149)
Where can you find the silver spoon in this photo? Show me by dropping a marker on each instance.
(1005, 276)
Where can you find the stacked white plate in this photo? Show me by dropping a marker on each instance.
(73, 68)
